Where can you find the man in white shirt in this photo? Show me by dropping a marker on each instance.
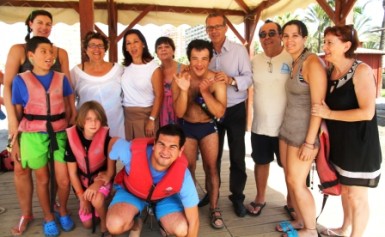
(271, 69)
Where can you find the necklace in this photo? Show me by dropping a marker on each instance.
(294, 63)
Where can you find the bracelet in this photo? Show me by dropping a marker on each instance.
(309, 145)
(78, 193)
(152, 118)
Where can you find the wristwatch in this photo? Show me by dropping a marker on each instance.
(233, 82)
(152, 118)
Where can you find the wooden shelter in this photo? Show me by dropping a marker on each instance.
(132, 12)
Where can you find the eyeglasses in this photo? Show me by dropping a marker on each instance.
(94, 46)
(263, 34)
(216, 27)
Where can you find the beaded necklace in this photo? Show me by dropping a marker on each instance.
(296, 61)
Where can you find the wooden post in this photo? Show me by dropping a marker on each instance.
(86, 13)
(113, 30)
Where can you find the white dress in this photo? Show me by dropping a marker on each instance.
(104, 89)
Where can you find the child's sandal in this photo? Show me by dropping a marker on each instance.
(50, 229)
(66, 222)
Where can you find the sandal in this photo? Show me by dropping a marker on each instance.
(22, 226)
(66, 222)
(285, 226)
(253, 206)
(214, 218)
(291, 233)
(290, 211)
(50, 229)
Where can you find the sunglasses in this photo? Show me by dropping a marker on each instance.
(263, 34)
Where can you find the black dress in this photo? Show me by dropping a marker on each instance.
(354, 146)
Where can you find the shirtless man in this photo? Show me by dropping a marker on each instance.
(199, 100)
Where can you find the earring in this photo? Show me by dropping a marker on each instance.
(31, 60)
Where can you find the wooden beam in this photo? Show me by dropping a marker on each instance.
(136, 20)
(251, 20)
(233, 29)
(328, 10)
(113, 30)
(86, 18)
(263, 5)
(243, 5)
(348, 6)
(252, 25)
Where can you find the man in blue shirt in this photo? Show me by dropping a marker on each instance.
(178, 213)
(231, 63)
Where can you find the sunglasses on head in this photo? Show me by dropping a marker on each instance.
(263, 34)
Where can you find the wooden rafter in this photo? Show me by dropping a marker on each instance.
(253, 17)
(342, 9)
(239, 36)
(243, 5)
(136, 20)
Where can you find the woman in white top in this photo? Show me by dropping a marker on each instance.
(99, 80)
(142, 87)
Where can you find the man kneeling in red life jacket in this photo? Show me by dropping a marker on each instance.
(155, 175)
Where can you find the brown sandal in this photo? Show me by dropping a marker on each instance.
(214, 218)
(22, 226)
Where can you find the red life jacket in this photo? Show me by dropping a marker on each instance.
(139, 182)
(36, 110)
(94, 156)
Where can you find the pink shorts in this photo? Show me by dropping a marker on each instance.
(105, 190)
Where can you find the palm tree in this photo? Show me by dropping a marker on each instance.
(316, 16)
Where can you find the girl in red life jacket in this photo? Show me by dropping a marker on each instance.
(90, 169)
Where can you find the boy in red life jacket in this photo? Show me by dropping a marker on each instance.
(39, 98)
(89, 168)
(154, 172)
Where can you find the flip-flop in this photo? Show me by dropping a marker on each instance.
(285, 226)
(255, 205)
(290, 211)
(23, 222)
(291, 233)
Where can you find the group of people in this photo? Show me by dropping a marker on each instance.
(154, 118)
(293, 92)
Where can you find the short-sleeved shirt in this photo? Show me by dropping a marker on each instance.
(122, 151)
(20, 93)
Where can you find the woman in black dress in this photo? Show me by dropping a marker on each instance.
(350, 116)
